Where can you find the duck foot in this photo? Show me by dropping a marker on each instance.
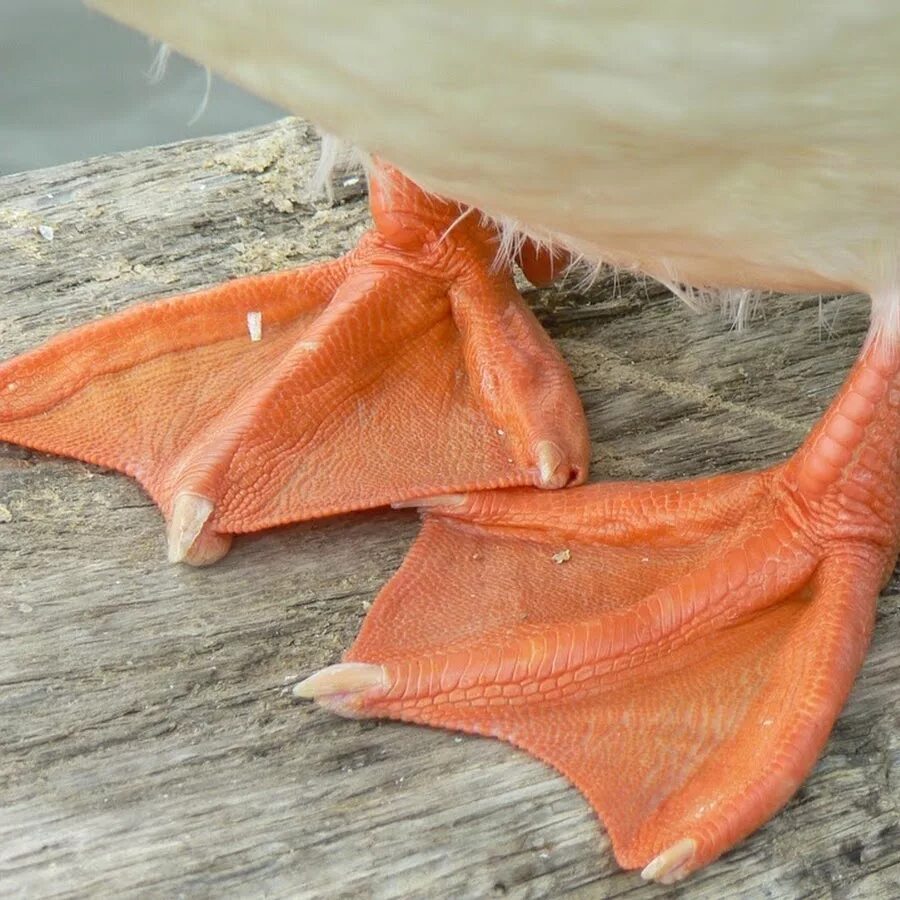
(409, 367)
(679, 650)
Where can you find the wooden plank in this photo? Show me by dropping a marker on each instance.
(149, 747)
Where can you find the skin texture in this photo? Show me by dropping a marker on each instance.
(679, 650)
(409, 367)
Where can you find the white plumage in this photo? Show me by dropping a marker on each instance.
(725, 144)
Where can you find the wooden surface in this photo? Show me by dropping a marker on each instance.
(149, 746)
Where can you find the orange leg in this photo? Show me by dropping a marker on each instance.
(409, 367)
(679, 650)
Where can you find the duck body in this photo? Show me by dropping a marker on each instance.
(720, 145)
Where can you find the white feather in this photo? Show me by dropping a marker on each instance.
(726, 144)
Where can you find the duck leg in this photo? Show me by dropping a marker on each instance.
(408, 367)
(679, 650)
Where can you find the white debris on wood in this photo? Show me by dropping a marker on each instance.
(46, 232)
(562, 556)
(254, 325)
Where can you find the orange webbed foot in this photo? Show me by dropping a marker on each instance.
(679, 650)
(409, 367)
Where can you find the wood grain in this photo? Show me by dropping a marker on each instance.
(148, 743)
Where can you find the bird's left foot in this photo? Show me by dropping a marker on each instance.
(407, 367)
(679, 650)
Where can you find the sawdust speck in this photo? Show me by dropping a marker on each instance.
(279, 163)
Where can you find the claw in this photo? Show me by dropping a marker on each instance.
(549, 461)
(334, 685)
(671, 865)
(430, 502)
(188, 539)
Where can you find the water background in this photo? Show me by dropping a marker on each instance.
(74, 84)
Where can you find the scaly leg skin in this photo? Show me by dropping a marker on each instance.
(409, 367)
(679, 650)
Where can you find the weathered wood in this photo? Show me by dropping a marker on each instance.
(149, 746)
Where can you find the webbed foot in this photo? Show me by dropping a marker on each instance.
(679, 650)
(409, 367)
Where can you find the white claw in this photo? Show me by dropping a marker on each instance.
(669, 866)
(340, 680)
(430, 502)
(549, 458)
(190, 513)
(254, 325)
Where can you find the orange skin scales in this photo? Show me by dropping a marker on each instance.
(679, 650)
(409, 367)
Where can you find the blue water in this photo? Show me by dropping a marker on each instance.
(74, 84)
